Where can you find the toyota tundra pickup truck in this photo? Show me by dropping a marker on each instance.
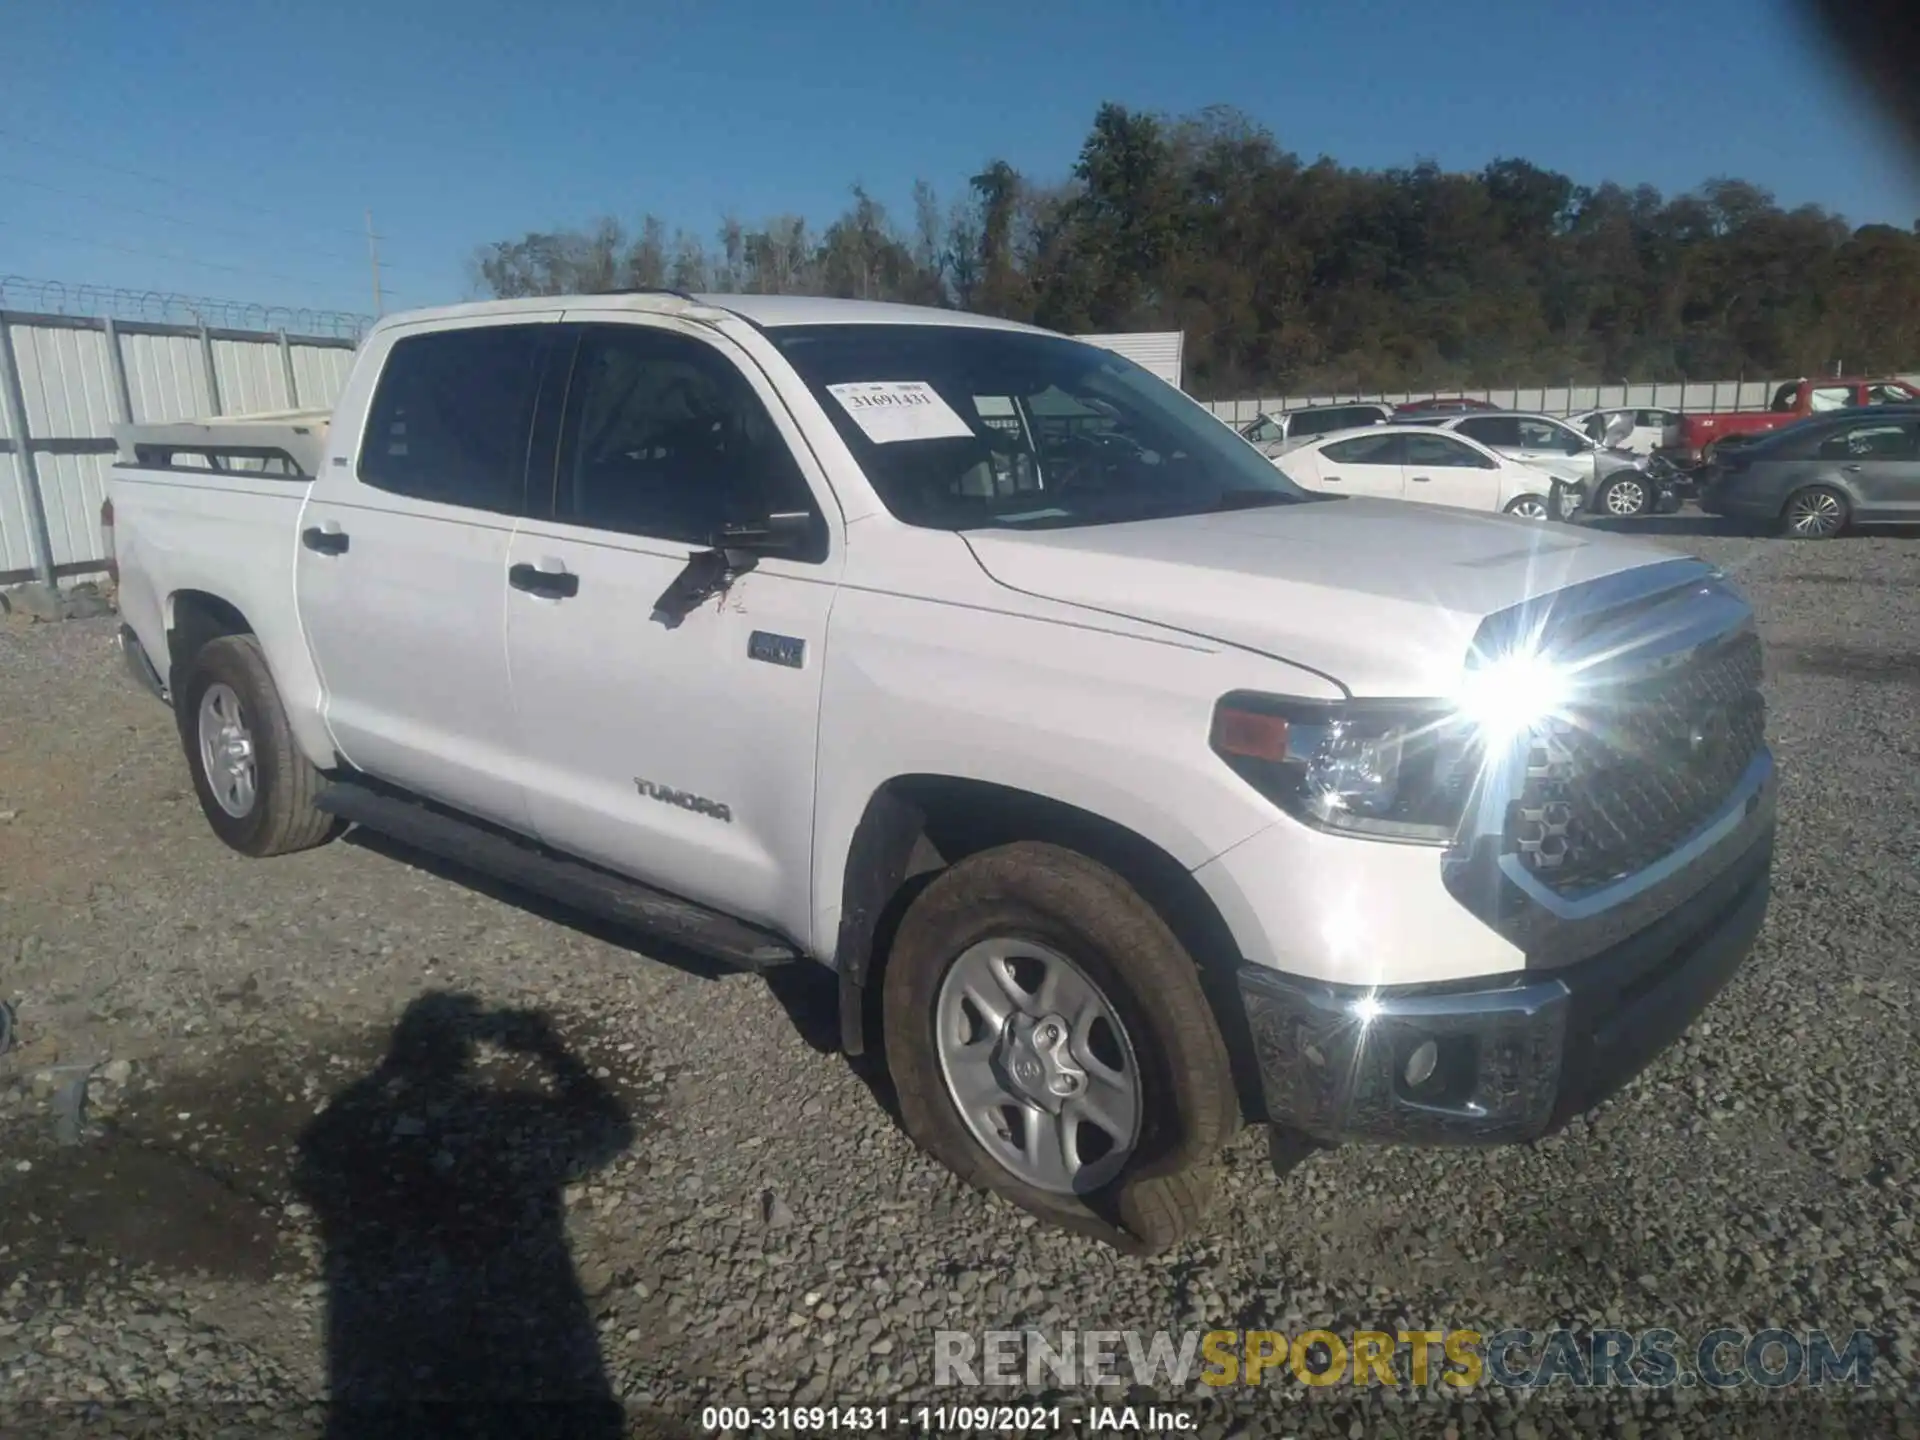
(1793, 401)
(1131, 792)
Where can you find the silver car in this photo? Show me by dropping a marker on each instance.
(1615, 481)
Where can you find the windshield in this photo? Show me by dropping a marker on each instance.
(959, 428)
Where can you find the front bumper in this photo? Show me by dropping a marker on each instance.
(1514, 1057)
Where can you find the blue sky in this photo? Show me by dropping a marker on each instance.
(232, 150)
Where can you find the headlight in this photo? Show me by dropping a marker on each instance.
(1389, 771)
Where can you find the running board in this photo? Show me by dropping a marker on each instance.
(571, 882)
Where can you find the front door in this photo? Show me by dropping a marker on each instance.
(1441, 470)
(402, 566)
(1880, 462)
(674, 743)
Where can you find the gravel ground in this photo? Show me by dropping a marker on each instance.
(212, 1135)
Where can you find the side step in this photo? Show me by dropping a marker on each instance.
(571, 882)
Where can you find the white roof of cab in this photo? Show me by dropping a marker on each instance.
(770, 311)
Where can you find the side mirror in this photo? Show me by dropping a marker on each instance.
(779, 533)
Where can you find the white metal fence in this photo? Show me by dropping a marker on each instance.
(1698, 396)
(66, 380)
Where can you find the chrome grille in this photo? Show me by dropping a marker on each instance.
(1616, 783)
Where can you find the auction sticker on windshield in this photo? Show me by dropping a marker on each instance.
(891, 410)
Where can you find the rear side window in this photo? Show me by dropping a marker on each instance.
(451, 417)
(1322, 422)
(1383, 449)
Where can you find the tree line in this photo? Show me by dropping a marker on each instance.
(1289, 276)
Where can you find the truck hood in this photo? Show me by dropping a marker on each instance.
(1381, 596)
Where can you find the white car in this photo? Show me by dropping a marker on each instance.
(1131, 791)
(1637, 429)
(1423, 463)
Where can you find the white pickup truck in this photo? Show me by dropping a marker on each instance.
(1133, 792)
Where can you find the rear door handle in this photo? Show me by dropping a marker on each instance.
(324, 541)
(1422, 479)
(1333, 479)
(550, 584)
(1851, 469)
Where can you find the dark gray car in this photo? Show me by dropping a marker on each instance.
(1815, 478)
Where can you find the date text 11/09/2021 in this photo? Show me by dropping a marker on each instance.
(945, 1419)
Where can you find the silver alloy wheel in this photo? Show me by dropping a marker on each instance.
(1529, 507)
(1815, 514)
(1626, 498)
(226, 751)
(1038, 1065)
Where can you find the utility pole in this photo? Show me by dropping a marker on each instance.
(373, 257)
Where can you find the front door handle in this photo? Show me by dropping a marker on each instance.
(550, 584)
(1422, 479)
(325, 542)
(1851, 469)
(1333, 479)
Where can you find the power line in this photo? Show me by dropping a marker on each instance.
(173, 183)
(66, 238)
(121, 207)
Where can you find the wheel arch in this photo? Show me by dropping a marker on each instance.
(916, 825)
(195, 617)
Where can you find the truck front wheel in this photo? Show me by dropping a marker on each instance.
(1049, 1040)
(255, 786)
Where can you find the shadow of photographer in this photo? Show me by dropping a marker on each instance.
(453, 1306)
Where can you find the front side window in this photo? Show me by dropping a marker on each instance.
(1870, 442)
(1439, 450)
(1892, 394)
(1099, 441)
(1825, 398)
(1786, 399)
(1544, 435)
(451, 416)
(1502, 432)
(665, 437)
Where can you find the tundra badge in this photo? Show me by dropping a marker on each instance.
(777, 649)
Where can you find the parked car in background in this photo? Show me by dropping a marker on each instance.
(1443, 405)
(1425, 464)
(1274, 430)
(1637, 429)
(1816, 478)
(1795, 400)
(1614, 482)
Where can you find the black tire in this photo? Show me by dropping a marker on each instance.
(282, 818)
(1086, 912)
(1818, 512)
(1616, 489)
(1521, 504)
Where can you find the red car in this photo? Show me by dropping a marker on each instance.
(1793, 401)
(1442, 405)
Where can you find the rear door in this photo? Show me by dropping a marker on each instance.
(673, 744)
(1440, 470)
(401, 570)
(1361, 465)
(1879, 461)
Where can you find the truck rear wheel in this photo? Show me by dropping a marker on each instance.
(255, 786)
(1049, 1040)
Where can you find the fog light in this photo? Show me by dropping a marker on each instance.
(1421, 1063)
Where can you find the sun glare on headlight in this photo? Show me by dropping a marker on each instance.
(1504, 697)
